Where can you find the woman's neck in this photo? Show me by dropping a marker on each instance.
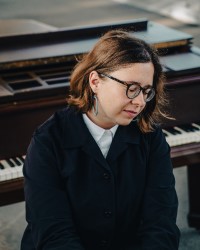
(98, 121)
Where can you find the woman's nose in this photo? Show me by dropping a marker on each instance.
(139, 100)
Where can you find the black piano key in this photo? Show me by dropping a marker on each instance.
(21, 161)
(173, 131)
(17, 162)
(198, 124)
(21, 158)
(188, 128)
(1, 166)
(10, 163)
(165, 134)
(196, 129)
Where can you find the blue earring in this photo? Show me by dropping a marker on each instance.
(95, 106)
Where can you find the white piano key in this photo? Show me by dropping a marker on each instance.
(196, 126)
(13, 161)
(5, 164)
(20, 173)
(11, 172)
(6, 172)
(184, 137)
(6, 175)
(15, 173)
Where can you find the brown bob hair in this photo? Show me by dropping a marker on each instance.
(114, 50)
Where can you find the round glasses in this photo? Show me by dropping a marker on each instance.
(134, 89)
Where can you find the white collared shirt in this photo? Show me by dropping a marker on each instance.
(103, 137)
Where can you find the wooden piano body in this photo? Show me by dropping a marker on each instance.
(34, 81)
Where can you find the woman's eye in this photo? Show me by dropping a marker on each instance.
(133, 88)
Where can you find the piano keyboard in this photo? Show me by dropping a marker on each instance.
(183, 134)
(11, 168)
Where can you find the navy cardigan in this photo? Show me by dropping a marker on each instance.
(78, 200)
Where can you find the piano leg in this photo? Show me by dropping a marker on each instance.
(193, 191)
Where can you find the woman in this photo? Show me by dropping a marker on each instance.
(98, 174)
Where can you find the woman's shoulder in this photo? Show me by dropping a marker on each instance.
(153, 137)
(156, 131)
(156, 139)
(56, 122)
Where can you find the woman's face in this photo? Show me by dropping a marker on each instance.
(114, 107)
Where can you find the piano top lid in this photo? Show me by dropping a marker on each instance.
(16, 27)
(41, 30)
(162, 36)
(79, 40)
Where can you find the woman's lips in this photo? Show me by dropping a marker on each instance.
(131, 113)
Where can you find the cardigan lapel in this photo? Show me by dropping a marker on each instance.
(124, 136)
(93, 150)
(77, 135)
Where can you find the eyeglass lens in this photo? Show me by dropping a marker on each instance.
(134, 90)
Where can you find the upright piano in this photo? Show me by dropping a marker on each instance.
(34, 81)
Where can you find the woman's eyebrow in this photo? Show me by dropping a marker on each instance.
(138, 83)
(133, 82)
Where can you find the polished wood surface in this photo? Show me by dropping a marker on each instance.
(11, 191)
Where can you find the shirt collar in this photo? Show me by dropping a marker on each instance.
(95, 130)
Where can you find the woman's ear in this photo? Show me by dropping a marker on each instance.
(94, 81)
